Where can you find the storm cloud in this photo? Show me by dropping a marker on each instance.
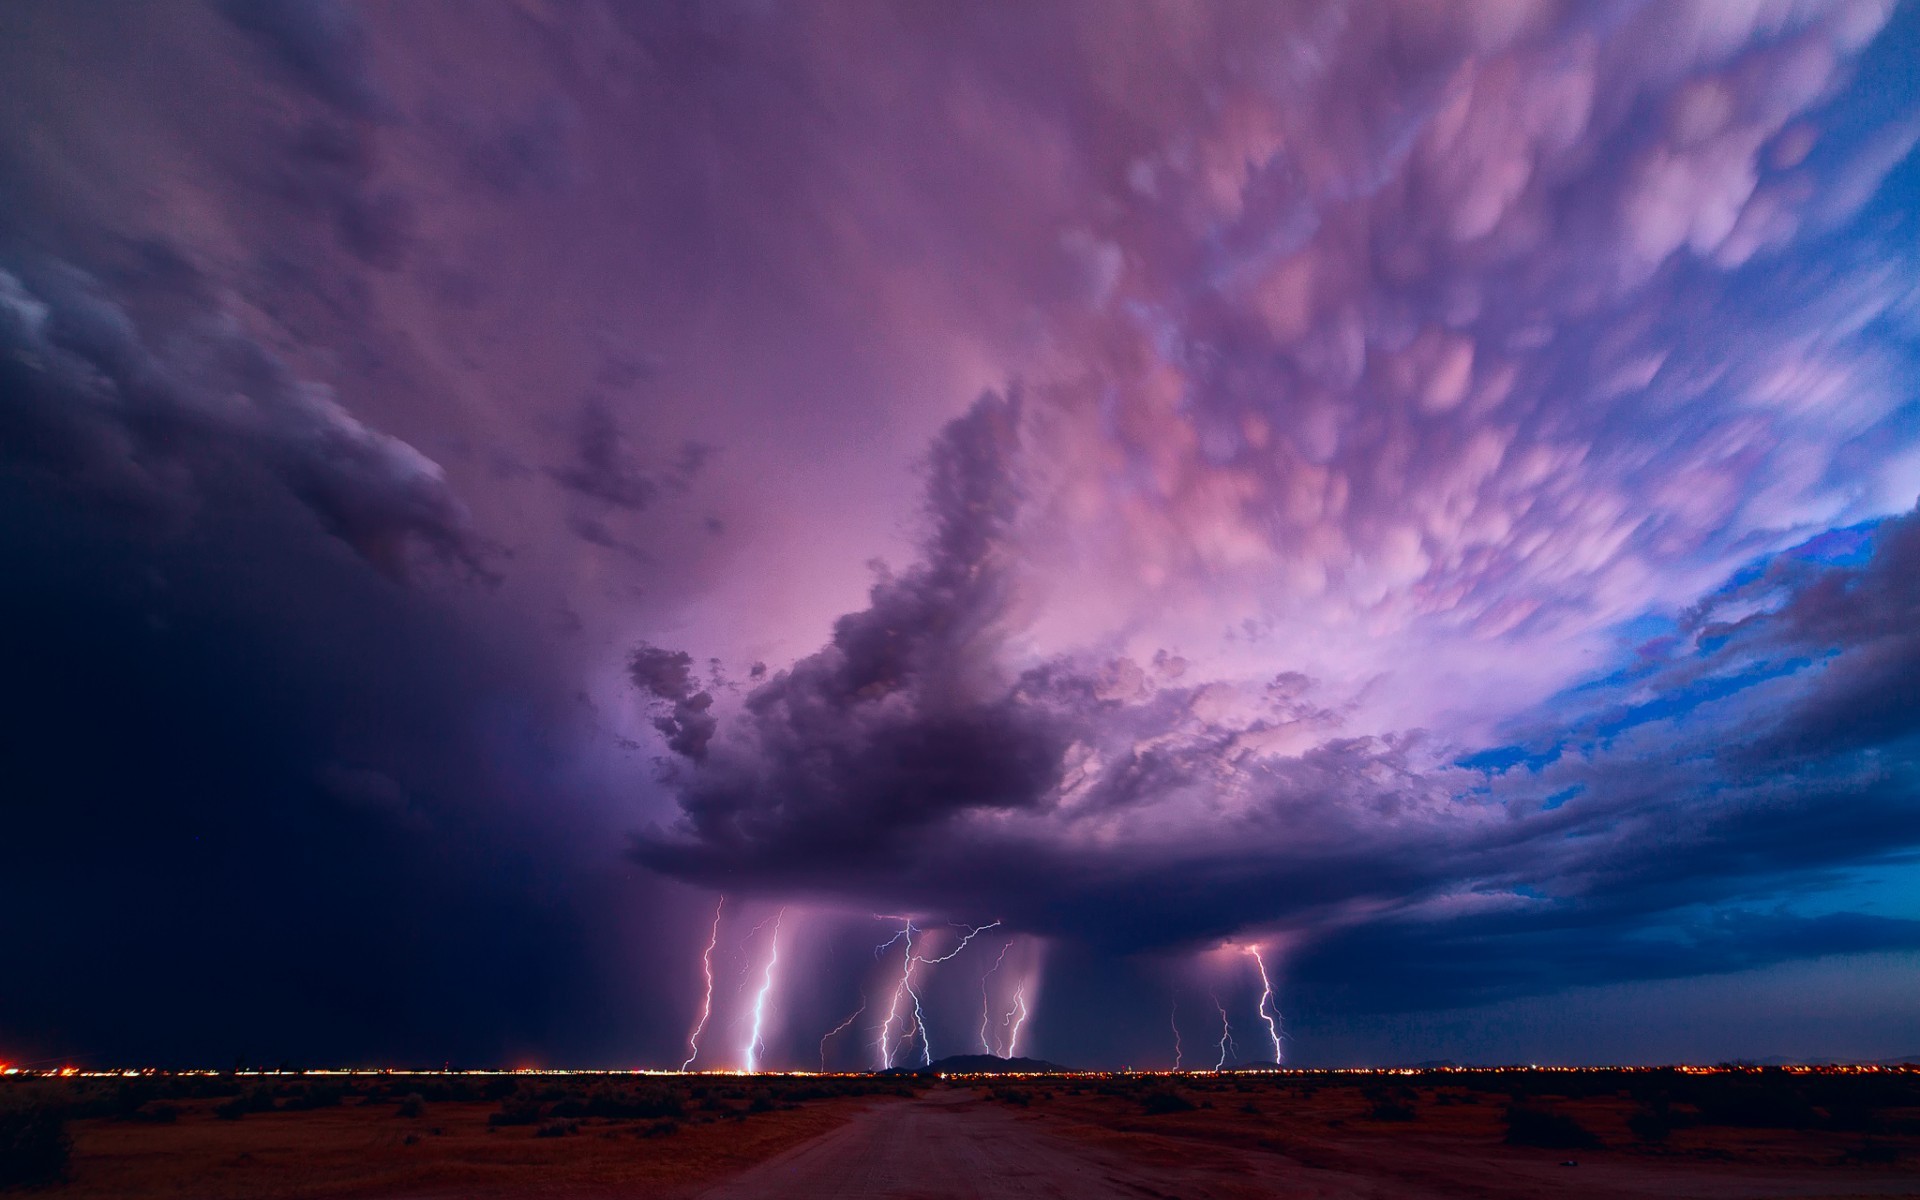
(1429, 490)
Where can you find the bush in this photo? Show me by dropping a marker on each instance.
(34, 1147)
(517, 1110)
(1390, 1110)
(1166, 1100)
(762, 1103)
(556, 1129)
(1548, 1129)
(413, 1105)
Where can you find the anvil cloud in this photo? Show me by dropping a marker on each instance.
(1426, 489)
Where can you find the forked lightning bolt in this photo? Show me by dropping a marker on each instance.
(754, 1045)
(1268, 1012)
(1017, 1018)
(904, 986)
(1174, 1020)
(706, 1005)
(840, 1028)
(1226, 1034)
(986, 1003)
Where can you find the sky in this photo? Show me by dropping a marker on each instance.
(575, 532)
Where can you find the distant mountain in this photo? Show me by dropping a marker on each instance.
(983, 1064)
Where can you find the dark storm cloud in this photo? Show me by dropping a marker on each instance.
(667, 676)
(897, 726)
(320, 43)
(89, 402)
(603, 468)
(896, 765)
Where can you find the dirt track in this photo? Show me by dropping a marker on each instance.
(948, 1144)
(951, 1144)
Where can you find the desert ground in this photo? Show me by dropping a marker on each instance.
(1453, 1134)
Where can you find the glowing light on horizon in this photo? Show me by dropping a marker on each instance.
(754, 1045)
(706, 1005)
(1267, 1010)
(986, 1002)
(840, 1028)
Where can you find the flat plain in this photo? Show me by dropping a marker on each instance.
(1504, 1134)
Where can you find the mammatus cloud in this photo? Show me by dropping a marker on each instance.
(1375, 425)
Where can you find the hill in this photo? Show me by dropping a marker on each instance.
(983, 1064)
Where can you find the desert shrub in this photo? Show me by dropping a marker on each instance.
(1543, 1127)
(413, 1105)
(1754, 1104)
(499, 1088)
(34, 1147)
(517, 1110)
(762, 1103)
(1011, 1095)
(661, 1129)
(1164, 1100)
(557, 1129)
(1390, 1110)
(628, 1104)
(158, 1114)
(255, 1100)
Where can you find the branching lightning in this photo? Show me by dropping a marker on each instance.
(904, 986)
(1174, 1020)
(971, 934)
(1267, 1010)
(1226, 1035)
(760, 1000)
(706, 1005)
(908, 959)
(1020, 1008)
(840, 1028)
(986, 1002)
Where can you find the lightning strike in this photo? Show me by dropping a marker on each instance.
(706, 1005)
(840, 1028)
(1020, 1006)
(1267, 1010)
(754, 1045)
(971, 934)
(904, 986)
(986, 1002)
(1226, 1034)
(1174, 1020)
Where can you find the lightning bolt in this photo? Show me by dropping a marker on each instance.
(1174, 1020)
(971, 934)
(840, 1028)
(985, 1002)
(706, 1005)
(907, 960)
(754, 1045)
(1267, 1010)
(1020, 1006)
(904, 986)
(1226, 1034)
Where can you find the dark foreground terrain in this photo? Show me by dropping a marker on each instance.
(1434, 1134)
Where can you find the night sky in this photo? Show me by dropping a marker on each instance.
(1424, 491)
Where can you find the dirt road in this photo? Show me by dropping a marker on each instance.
(951, 1144)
